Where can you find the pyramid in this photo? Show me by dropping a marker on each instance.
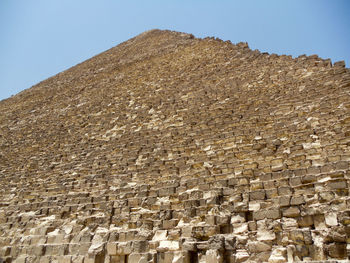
(168, 148)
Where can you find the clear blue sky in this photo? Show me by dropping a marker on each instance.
(40, 38)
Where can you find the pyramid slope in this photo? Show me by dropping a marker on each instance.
(168, 147)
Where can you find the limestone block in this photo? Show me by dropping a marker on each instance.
(166, 245)
(56, 250)
(181, 257)
(265, 235)
(124, 248)
(237, 218)
(230, 243)
(297, 236)
(337, 250)
(252, 226)
(97, 244)
(254, 206)
(331, 219)
(292, 211)
(21, 259)
(140, 246)
(83, 248)
(77, 259)
(240, 228)
(45, 259)
(278, 255)
(137, 258)
(305, 221)
(112, 248)
(261, 256)
(216, 243)
(335, 185)
(258, 246)
(295, 181)
(284, 201)
(326, 196)
(213, 256)
(271, 193)
(284, 191)
(257, 195)
(37, 250)
(297, 200)
(319, 221)
(5, 251)
(271, 214)
(241, 255)
(160, 235)
(342, 165)
(65, 259)
(165, 257)
(118, 259)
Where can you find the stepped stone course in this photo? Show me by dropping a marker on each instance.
(168, 149)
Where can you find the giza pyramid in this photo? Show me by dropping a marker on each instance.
(168, 148)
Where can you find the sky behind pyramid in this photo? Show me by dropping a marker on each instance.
(41, 38)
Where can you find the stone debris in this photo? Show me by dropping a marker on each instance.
(173, 149)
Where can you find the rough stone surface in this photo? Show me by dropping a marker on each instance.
(168, 148)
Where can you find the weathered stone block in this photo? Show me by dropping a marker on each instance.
(111, 248)
(213, 256)
(331, 219)
(305, 221)
(271, 214)
(297, 200)
(258, 246)
(337, 250)
(138, 258)
(335, 185)
(118, 259)
(257, 195)
(166, 245)
(291, 212)
(140, 246)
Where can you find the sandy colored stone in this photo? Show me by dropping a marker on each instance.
(171, 148)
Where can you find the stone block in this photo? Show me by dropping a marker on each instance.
(305, 221)
(342, 165)
(257, 195)
(118, 259)
(137, 258)
(5, 251)
(294, 181)
(65, 259)
(291, 212)
(165, 257)
(166, 245)
(335, 185)
(283, 191)
(271, 193)
(297, 200)
(284, 201)
(124, 248)
(241, 255)
(331, 219)
(140, 246)
(21, 259)
(278, 255)
(213, 256)
(77, 259)
(258, 246)
(270, 213)
(112, 248)
(337, 250)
